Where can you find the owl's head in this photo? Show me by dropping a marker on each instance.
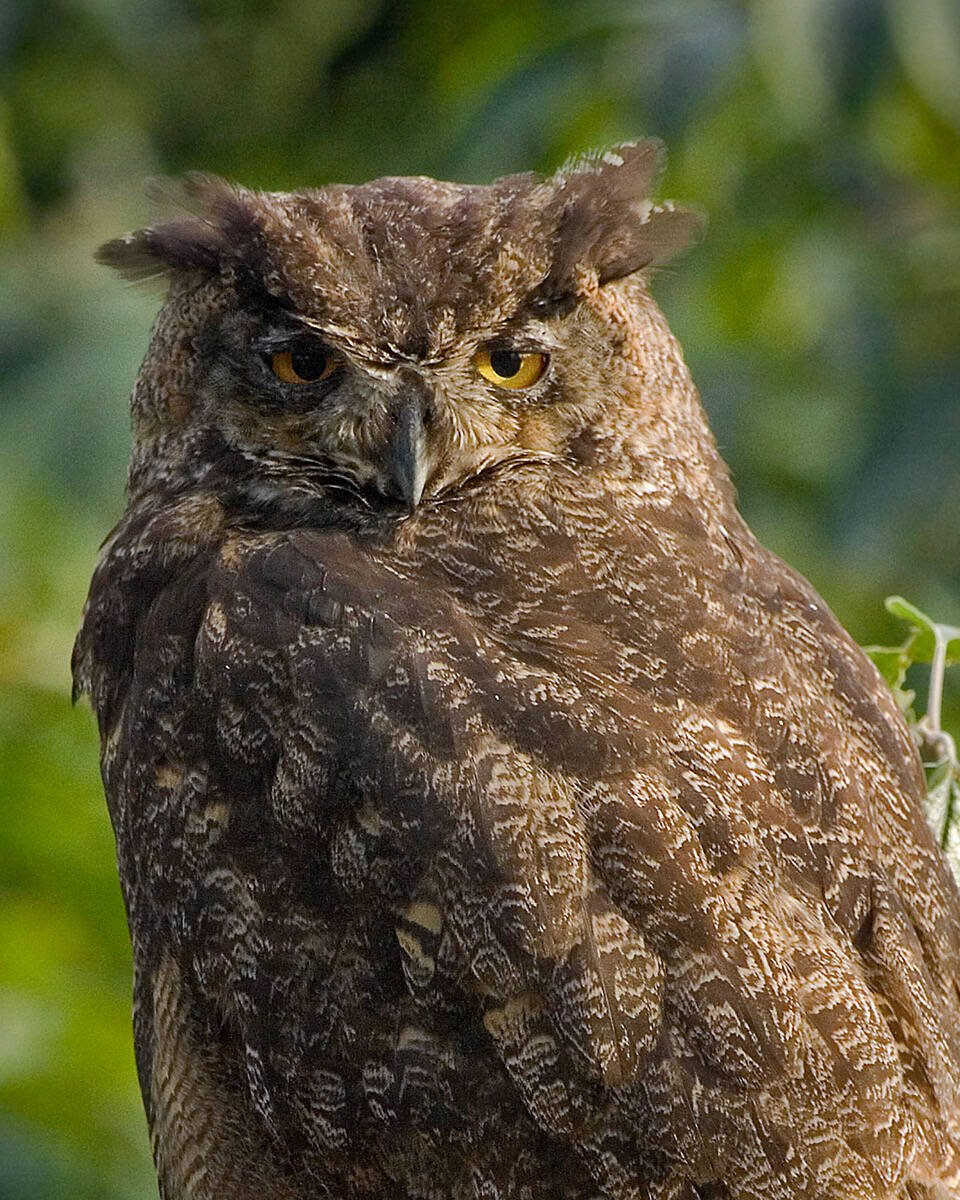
(385, 345)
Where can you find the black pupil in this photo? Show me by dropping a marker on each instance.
(505, 362)
(309, 362)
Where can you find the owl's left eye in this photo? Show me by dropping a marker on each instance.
(304, 362)
(510, 368)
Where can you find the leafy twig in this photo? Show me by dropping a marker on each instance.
(938, 645)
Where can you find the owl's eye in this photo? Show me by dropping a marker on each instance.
(308, 362)
(510, 368)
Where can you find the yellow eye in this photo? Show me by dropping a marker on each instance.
(510, 368)
(308, 363)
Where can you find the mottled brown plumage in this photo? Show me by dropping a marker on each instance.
(496, 818)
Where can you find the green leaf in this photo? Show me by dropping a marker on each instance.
(891, 661)
(907, 612)
(927, 633)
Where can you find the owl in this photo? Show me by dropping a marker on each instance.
(496, 818)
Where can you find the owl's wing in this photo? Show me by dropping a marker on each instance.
(297, 784)
(676, 961)
(389, 733)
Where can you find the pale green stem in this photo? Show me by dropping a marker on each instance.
(935, 695)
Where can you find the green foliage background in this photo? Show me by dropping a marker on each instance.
(820, 317)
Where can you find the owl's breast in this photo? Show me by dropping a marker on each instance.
(438, 840)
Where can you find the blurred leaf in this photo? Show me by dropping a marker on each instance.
(12, 199)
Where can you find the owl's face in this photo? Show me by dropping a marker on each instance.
(377, 426)
(387, 345)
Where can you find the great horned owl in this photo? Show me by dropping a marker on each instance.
(497, 820)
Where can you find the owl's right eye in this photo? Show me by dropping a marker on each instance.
(302, 363)
(509, 368)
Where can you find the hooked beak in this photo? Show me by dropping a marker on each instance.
(407, 462)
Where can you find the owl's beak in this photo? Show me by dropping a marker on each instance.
(407, 460)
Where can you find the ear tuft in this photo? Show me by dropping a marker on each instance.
(161, 249)
(603, 219)
(203, 220)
